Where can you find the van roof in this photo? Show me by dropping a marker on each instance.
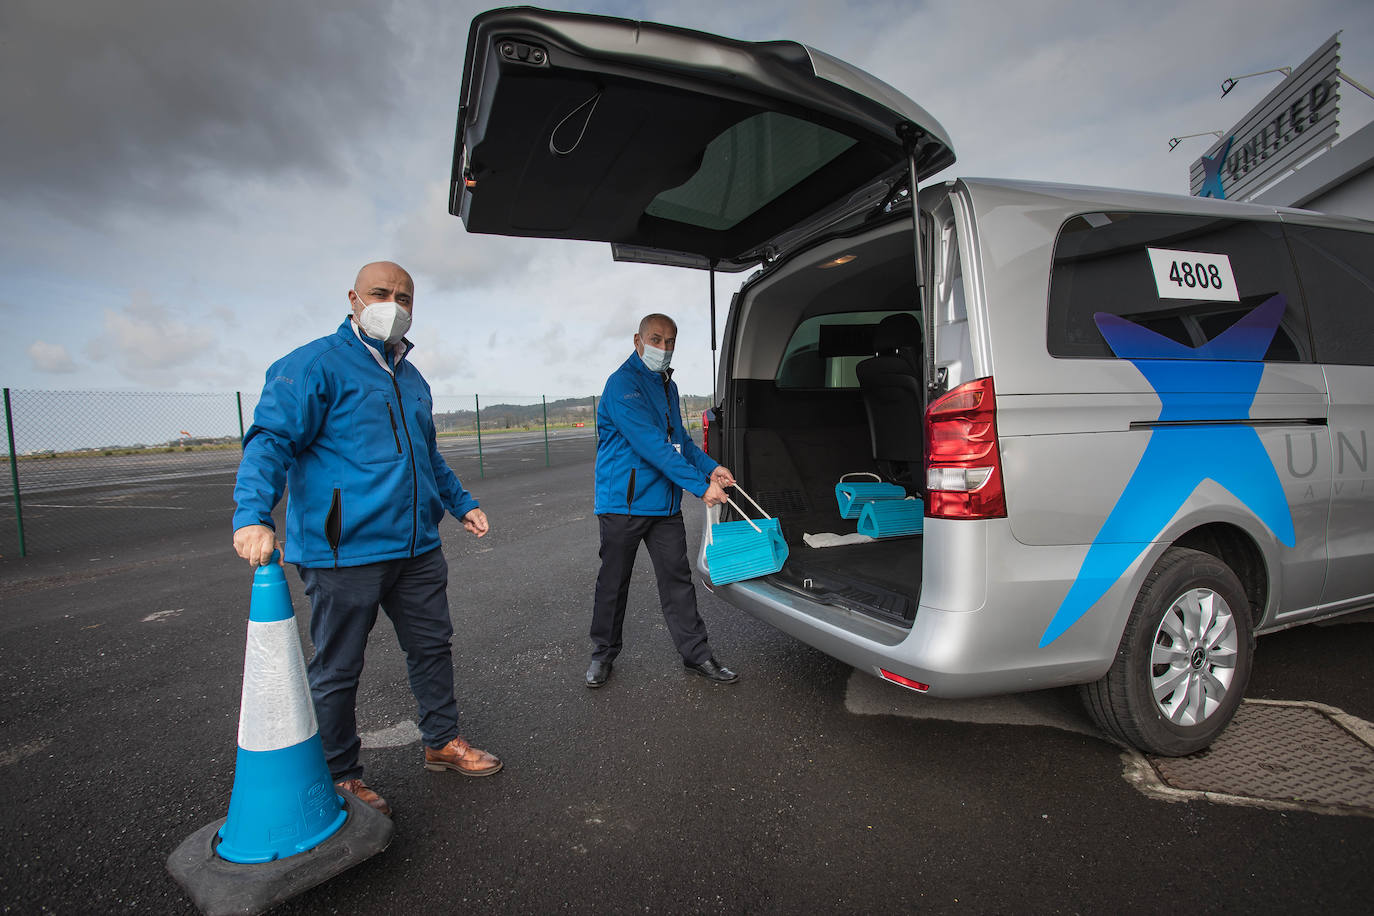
(989, 192)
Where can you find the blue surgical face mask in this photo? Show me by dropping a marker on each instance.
(657, 360)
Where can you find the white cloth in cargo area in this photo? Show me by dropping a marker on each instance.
(834, 540)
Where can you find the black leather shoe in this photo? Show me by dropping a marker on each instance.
(597, 673)
(712, 670)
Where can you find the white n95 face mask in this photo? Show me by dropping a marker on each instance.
(384, 321)
(657, 360)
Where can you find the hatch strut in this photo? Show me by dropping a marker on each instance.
(911, 136)
(714, 401)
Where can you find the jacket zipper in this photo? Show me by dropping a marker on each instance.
(630, 492)
(414, 482)
(392, 415)
(333, 524)
(674, 493)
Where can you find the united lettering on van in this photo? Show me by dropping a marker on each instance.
(1350, 458)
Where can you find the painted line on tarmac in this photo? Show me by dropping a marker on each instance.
(51, 506)
(398, 735)
(162, 615)
(15, 754)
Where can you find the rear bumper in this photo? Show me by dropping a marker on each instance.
(973, 635)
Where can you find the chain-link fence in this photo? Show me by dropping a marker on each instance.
(76, 458)
(62, 448)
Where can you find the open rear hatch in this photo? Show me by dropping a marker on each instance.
(675, 146)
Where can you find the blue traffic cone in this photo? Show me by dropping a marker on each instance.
(288, 829)
(283, 801)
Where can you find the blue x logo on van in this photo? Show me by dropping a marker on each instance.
(1179, 458)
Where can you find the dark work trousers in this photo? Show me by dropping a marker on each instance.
(666, 539)
(343, 608)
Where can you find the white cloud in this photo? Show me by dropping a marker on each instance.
(148, 334)
(443, 366)
(49, 357)
(149, 345)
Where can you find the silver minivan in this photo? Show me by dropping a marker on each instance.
(1137, 424)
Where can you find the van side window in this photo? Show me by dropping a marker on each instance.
(824, 350)
(1337, 270)
(1188, 278)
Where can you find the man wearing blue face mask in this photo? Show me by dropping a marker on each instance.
(346, 424)
(644, 460)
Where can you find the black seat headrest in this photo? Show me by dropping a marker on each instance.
(895, 331)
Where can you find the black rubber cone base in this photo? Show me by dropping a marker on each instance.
(222, 888)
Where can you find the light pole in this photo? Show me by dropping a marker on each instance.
(1174, 141)
(1355, 84)
(1230, 82)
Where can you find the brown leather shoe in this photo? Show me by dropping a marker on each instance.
(461, 757)
(364, 794)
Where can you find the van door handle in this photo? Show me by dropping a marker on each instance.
(1288, 421)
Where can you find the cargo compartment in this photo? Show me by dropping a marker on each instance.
(793, 420)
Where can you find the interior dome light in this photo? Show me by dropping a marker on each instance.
(836, 262)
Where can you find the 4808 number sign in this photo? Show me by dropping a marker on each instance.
(1196, 275)
(1193, 275)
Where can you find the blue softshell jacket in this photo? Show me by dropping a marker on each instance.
(355, 447)
(644, 456)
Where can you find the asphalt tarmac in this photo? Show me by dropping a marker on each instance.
(120, 672)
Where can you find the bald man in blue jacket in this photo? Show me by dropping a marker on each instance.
(645, 459)
(347, 422)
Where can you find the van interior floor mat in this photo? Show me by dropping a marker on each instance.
(882, 578)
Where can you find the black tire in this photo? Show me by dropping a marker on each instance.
(1206, 678)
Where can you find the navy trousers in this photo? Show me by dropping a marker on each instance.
(666, 539)
(343, 609)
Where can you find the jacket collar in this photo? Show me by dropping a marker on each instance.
(349, 329)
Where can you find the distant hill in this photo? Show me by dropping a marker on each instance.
(563, 412)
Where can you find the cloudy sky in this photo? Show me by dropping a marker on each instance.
(188, 188)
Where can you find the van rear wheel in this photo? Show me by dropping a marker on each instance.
(1184, 660)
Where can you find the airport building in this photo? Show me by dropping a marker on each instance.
(1286, 152)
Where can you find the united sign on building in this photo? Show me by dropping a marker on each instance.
(1294, 121)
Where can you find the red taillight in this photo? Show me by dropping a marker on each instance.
(963, 462)
(904, 681)
(706, 431)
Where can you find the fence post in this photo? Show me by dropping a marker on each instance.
(545, 400)
(481, 471)
(593, 411)
(239, 396)
(14, 474)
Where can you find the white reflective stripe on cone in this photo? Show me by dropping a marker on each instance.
(277, 711)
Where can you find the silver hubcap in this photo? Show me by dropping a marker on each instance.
(1193, 660)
